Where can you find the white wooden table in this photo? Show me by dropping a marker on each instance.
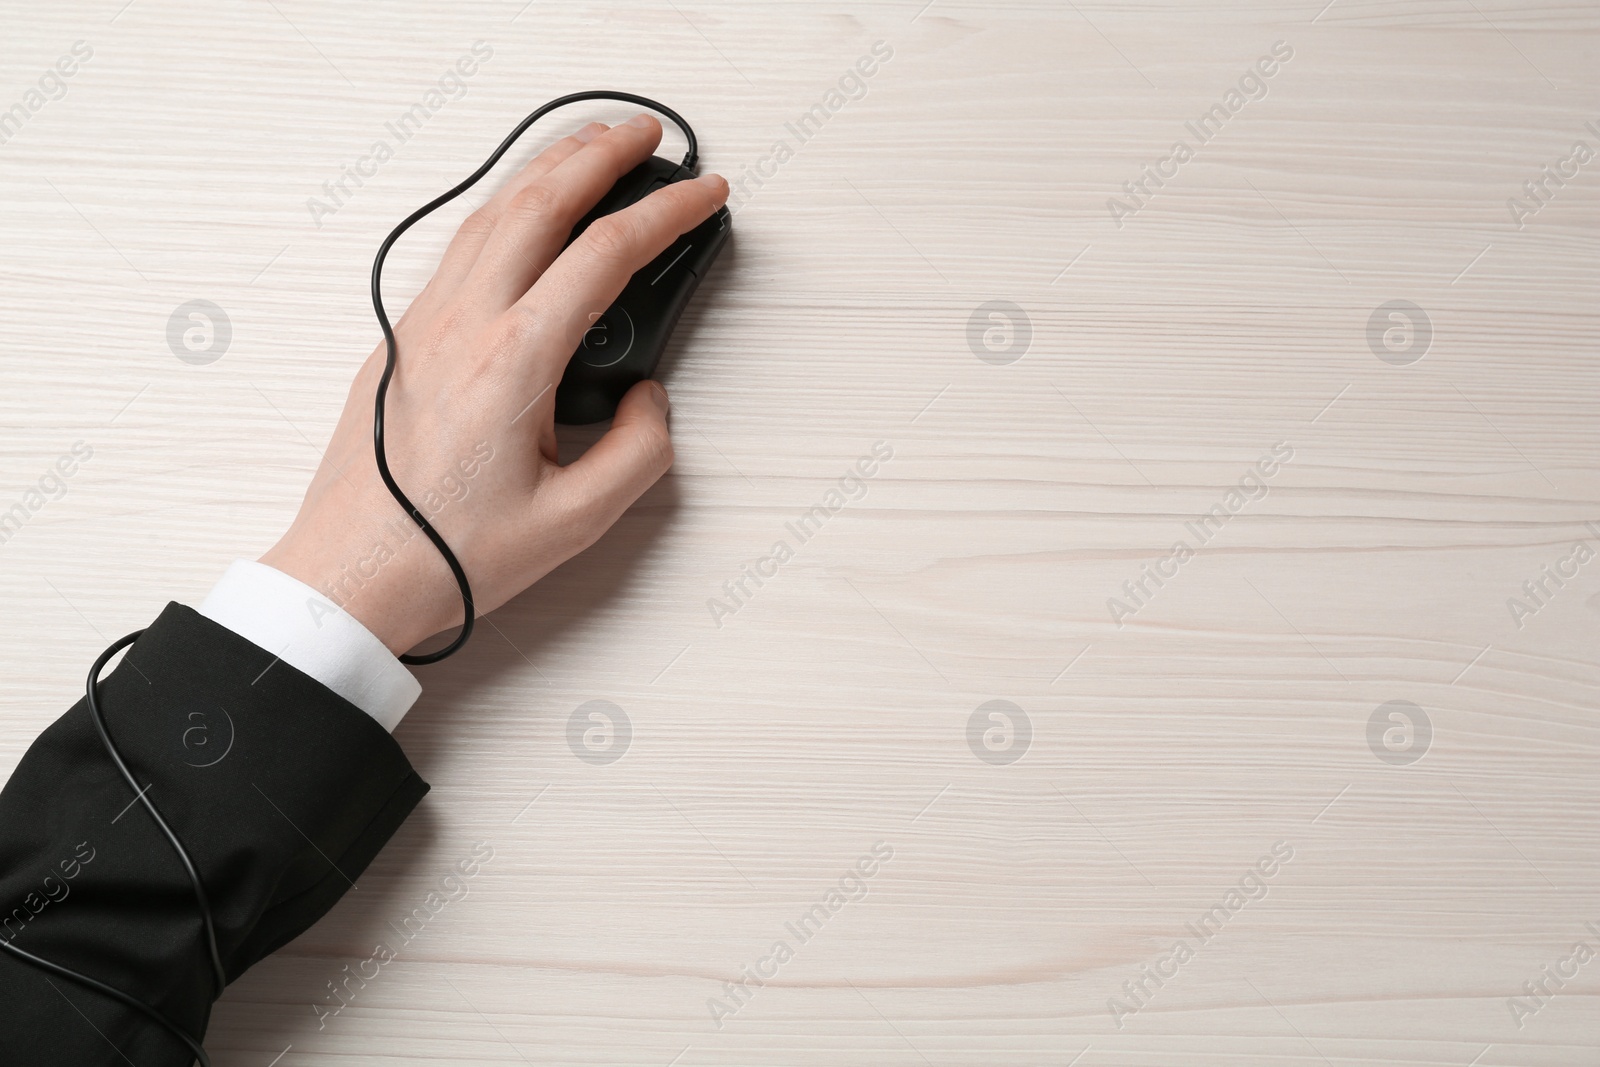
(1432, 457)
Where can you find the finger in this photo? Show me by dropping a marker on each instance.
(539, 217)
(465, 247)
(586, 279)
(628, 459)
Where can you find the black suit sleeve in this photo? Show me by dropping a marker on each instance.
(281, 791)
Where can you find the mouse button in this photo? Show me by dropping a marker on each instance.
(671, 262)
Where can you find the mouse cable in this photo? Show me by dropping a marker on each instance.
(202, 901)
(467, 611)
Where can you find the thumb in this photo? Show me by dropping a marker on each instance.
(628, 459)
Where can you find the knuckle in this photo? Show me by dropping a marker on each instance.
(450, 322)
(611, 238)
(520, 326)
(477, 226)
(536, 202)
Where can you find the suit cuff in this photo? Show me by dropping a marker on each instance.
(309, 632)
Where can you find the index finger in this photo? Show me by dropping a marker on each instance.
(589, 275)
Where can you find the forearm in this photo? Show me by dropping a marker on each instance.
(280, 823)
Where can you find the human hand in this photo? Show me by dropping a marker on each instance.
(469, 423)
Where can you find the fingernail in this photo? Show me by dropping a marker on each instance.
(641, 120)
(658, 395)
(715, 182)
(590, 132)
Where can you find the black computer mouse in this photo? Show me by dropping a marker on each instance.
(625, 344)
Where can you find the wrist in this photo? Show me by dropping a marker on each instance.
(385, 585)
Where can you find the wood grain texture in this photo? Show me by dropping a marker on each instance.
(1168, 354)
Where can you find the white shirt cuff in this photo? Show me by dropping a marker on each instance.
(309, 632)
